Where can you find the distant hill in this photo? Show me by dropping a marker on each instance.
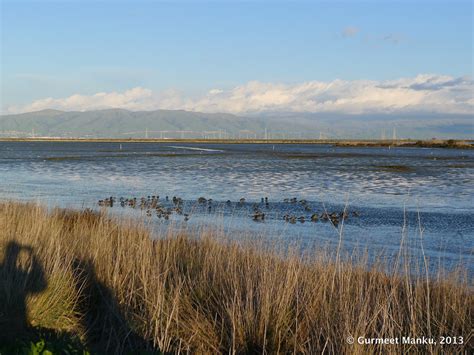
(119, 123)
(122, 123)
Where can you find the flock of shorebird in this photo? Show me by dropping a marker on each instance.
(150, 203)
(334, 217)
(164, 208)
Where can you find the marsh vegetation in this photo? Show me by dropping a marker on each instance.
(114, 287)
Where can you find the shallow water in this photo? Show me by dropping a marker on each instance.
(427, 188)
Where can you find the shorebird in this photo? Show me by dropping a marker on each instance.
(107, 202)
(344, 214)
(259, 216)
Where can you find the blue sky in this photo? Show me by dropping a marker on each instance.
(61, 48)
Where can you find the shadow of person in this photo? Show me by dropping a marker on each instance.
(20, 275)
(107, 329)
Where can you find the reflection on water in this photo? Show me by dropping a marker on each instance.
(379, 182)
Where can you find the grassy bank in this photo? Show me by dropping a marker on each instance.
(433, 143)
(108, 285)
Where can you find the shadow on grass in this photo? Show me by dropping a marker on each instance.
(43, 341)
(28, 279)
(106, 328)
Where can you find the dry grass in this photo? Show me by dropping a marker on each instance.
(112, 285)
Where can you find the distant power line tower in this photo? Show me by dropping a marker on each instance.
(382, 134)
(394, 134)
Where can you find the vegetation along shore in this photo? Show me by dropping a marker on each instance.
(401, 143)
(88, 282)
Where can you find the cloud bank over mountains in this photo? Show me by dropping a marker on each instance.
(427, 93)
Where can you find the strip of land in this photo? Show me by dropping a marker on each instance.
(434, 143)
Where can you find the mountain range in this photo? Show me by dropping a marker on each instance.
(120, 123)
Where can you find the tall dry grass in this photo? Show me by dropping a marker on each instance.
(116, 288)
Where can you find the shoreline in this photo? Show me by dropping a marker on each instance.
(368, 143)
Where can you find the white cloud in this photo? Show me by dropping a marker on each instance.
(133, 99)
(424, 93)
(350, 31)
(215, 91)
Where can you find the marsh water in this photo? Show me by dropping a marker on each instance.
(429, 191)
